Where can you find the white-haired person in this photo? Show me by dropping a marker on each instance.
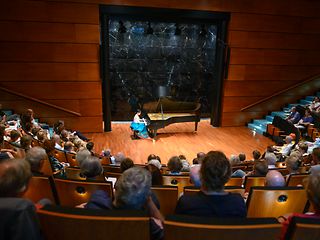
(132, 191)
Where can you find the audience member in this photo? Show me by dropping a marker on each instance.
(132, 191)
(18, 216)
(315, 168)
(270, 157)
(234, 160)
(242, 157)
(313, 193)
(36, 157)
(256, 155)
(156, 175)
(156, 163)
(212, 200)
(294, 116)
(195, 175)
(275, 179)
(91, 167)
(49, 146)
(174, 165)
(293, 163)
(185, 163)
(82, 155)
(126, 164)
(260, 168)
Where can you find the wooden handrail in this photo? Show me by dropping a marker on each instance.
(280, 92)
(39, 101)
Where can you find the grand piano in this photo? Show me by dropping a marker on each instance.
(166, 111)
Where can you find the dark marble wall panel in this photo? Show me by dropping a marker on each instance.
(178, 56)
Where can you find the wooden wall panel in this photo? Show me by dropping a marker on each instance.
(26, 71)
(39, 11)
(244, 39)
(48, 52)
(284, 7)
(82, 124)
(245, 88)
(274, 57)
(51, 51)
(49, 32)
(87, 108)
(270, 72)
(57, 90)
(274, 23)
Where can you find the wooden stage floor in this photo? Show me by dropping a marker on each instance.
(180, 138)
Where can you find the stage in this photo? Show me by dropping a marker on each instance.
(180, 138)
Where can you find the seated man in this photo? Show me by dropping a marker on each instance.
(91, 167)
(294, 116)
(36, 157)
(212, 200)
(275, 179)
(286, 148)
(18, 217)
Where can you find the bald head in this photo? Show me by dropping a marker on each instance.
(275, 179)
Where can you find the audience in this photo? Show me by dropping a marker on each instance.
(270, 157)
(156, 175)
(212, 200)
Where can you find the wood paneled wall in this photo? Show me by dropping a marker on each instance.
(50, 50)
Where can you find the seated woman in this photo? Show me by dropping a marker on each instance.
(212, 200)
(305, 121)
(139, 125)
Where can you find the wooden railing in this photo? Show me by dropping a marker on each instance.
(39, 101)
(281, 92)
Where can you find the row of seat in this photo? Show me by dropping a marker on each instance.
(275, 201)
(58, 223)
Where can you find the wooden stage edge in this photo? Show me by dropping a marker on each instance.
(180, 138)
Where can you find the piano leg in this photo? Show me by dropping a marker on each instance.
(196, 126)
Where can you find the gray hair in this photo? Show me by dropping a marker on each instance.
(35, 156)
(234, 160)
(293, 162)
(132, 188)
(91, 167)
(82, 155)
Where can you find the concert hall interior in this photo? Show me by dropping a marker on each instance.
(199, 108)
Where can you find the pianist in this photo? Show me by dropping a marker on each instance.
(139, 125)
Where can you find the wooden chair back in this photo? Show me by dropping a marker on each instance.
(83, 224)
(112, 168)
(296, 179)
(71, 159)
(112, 174)
(251, 181)
(167, 196)
(72, 193)
(234, 189)
(41, 187)
(303, 228)
(60, 155)
(177, 180)
(180, 227)
(275, 201)
(46, 168)
(235, 181)
(105, 160)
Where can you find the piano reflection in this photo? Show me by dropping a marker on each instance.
(166, 111)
